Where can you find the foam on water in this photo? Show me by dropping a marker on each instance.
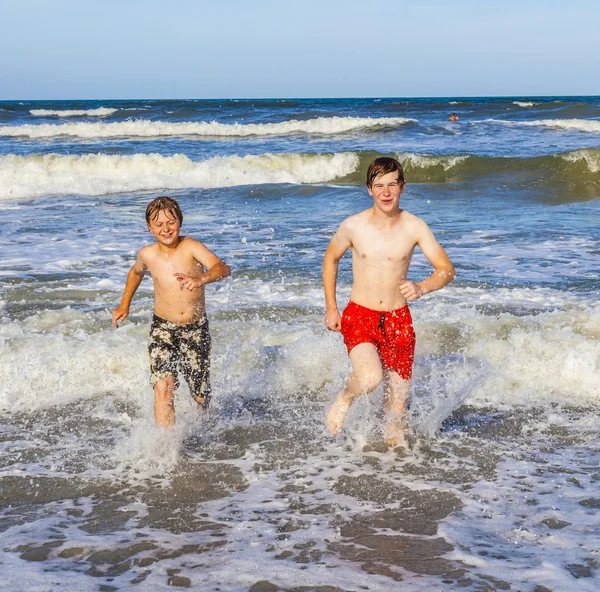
(150, 129)
(425, 161)
(38, 175)
(273, 485)
(591, 158)
(80, 356)
(539, 516)
(99, 174)
(582, 125)
(99, 112)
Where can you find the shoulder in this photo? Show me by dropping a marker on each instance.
(192, 247)
(413, 222)
(418, 229)
(187, 242)
(409, 218)
(352, 223)
(147, 252)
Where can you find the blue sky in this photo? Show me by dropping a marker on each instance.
(63, 49)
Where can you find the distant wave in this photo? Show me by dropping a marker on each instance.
(100, 174)
(525, 103)
(100, 112)
(574, 173)
(577, 166)
(589, 157)
(582, 125)
(152, 129)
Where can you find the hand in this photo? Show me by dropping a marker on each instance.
(333, 320)
(410, 290)
(187, 281)
(119, 314)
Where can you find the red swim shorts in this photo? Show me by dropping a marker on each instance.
(391, 332)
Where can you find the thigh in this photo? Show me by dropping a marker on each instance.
(162, 350)
(358, 326)
(365, 361)
(195, 359)
(398, 347)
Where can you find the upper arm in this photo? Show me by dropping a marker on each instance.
(433, 251)
(140, 266)
(340, 242)
(203, 254)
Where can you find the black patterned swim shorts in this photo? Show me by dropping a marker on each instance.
(174, 347)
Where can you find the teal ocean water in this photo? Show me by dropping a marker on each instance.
(499, 489)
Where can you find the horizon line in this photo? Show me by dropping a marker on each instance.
(323, 98)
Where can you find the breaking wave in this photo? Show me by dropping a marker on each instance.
(582, 125)
(100, 112)
(576, 172)
(100, 174)
(143, 128)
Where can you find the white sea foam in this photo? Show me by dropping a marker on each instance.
(590, 156)
(99, 112)
(524, 103)
(539, 551)
(424, 161)
(464, 354)
(582, 125)
(153, 129)
(527, 360)
(100, 174)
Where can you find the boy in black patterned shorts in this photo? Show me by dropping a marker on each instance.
(179, 339)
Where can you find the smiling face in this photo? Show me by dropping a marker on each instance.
(165, 228)
(386, 191)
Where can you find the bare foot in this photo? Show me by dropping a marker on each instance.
(337, 413)
(395, 433)
(395, 441)
(202, 401)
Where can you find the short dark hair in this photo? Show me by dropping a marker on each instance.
(166, 204)
(383, 166)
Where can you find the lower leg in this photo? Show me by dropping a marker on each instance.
(395, 404)
(340, 407)
(164, 406)
(366, 376)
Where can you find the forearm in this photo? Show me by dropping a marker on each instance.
(330, 271)
(441, 277)
(217, 272)
(134, 279)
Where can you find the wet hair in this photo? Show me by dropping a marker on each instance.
(383, 166)
(163, 204)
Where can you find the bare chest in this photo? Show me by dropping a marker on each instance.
(163, 268)
(392, 250)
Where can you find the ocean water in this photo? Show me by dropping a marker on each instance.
(500, 487)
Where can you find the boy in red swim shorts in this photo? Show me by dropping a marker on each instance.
(376, 324)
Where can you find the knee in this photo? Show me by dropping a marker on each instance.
(369, 381)
(163, 390)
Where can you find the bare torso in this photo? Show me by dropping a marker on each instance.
(170, 301)
(381, 255)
